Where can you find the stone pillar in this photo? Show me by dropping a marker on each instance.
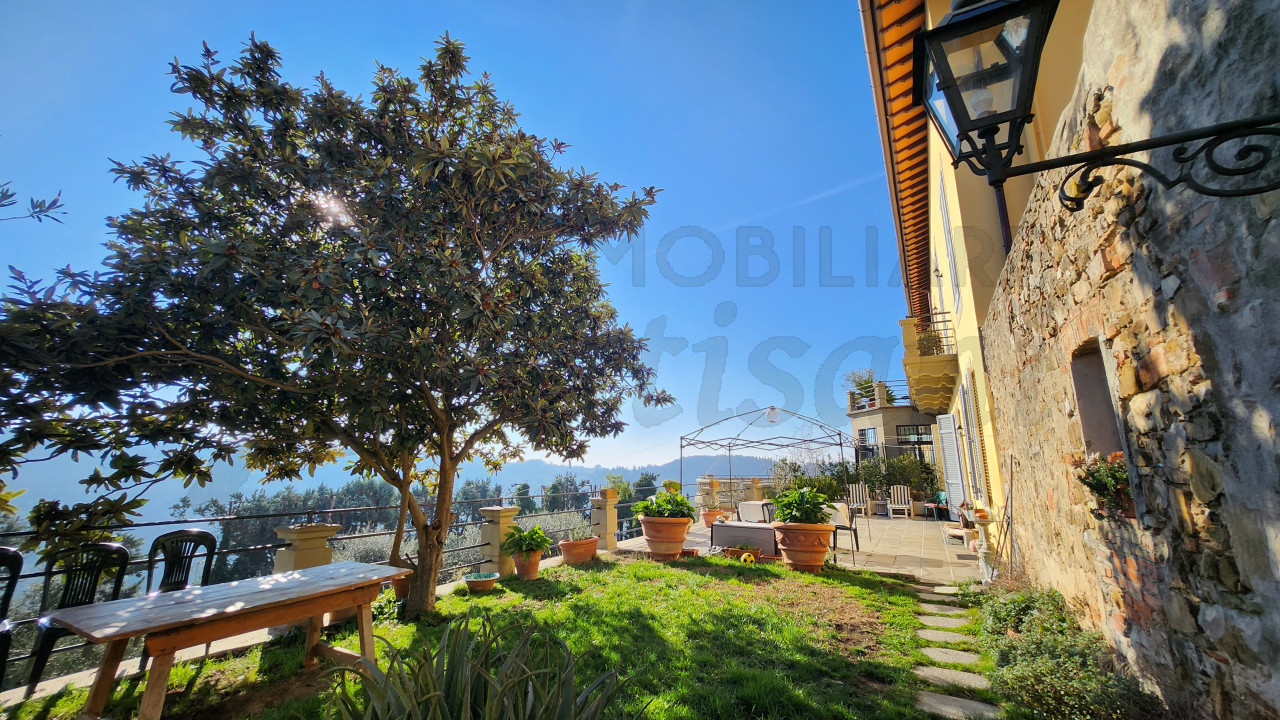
(910, 338)
(713, 495)
(882, 394)
(497, 521)
(756, 491)
(604, 518)
(308, 546)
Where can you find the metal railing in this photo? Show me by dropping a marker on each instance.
(935, 334)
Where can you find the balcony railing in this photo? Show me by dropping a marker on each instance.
(896, 394)
(934, 335)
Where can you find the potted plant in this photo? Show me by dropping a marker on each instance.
(736, 552)
(665, 518)
(711, 515)
(526, 548)
(1108, 480)
(480, 581)
(580, 547)
(804, 535)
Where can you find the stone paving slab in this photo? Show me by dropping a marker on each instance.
(947, 590)
(947, 655)
(954, 707)
(942, 609)
(935, 597)
(942, 636)
(946, 676)
(942, 622)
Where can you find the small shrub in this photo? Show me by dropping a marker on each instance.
(520, 542)
(385, 608)
(803, 505)
(478, 671)
(666, 504)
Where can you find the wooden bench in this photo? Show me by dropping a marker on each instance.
(199, 615)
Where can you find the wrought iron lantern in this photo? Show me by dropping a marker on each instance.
(975, 74)
(976, 71)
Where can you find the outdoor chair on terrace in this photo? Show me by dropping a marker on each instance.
(82, 572)
(755, 511)
(177, 552)
(936, 505)
(900, 499)
(858, 500)
(843, 518)
(11, 563)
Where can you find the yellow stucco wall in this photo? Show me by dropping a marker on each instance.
(970, 216)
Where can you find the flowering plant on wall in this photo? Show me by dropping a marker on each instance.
(1108, 479)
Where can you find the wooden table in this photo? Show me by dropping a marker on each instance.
(200, 615)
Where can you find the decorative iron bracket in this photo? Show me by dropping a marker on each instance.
(1248, 159)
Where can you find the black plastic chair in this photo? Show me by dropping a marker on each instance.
(178, 551)
(11, 563)
(82, 573)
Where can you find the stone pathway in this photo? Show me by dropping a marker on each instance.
(948, 616)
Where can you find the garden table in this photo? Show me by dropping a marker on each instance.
(199, 615)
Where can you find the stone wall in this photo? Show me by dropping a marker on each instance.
(1183, 292)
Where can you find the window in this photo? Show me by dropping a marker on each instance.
(915, 434)
(951, 252)
(867, 436)
(1098, 420)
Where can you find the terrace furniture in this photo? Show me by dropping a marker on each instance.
(178, 551)
(11, 563)
(858, 500)
(755, 534)
(900, 499)
(196, 616)
(937, 504)
(838, 514)
(756, 511)
(82, 572)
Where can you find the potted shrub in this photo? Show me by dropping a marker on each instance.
(1108, 480)
(804, 535)
(580, 547)
(665, 518)
(711, 515)
(738, 551)
(526, 548)
(480, 581)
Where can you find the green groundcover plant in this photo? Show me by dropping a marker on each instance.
(666, 504)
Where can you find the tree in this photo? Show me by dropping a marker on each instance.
(527, 505)
(646, 485)
(38, 210)
(566, 492)
(472, 495)
(626, 493)
(407, 282)
(862, 382)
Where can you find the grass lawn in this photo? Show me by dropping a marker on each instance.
(700, 638)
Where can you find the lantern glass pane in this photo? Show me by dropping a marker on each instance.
(988, 65)
(936, 105)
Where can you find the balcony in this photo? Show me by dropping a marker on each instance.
(930, 361)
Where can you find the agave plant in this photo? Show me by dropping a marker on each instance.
(512, 673)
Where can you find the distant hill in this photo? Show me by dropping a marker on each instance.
(540, 473)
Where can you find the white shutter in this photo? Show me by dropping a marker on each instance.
(950, 464)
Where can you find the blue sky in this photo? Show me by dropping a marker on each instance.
(755, 117)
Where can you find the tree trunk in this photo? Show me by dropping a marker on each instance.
(432, 534)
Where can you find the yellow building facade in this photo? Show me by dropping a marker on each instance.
(949, 239)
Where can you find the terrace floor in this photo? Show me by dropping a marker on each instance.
(910, 546)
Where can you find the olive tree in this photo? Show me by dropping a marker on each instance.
(407, 281)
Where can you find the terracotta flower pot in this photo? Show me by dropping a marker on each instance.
(527, 564)
(400, 586)
(804, 545)
(709, 517)
(576, 552)
(480, 582)
(665, 536)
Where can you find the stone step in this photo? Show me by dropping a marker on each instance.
(954, 707)
(934, 597)
(947, 590)
(946, 676)
(947, 655)
(942, 636)
(933, 609)
(942, 622)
